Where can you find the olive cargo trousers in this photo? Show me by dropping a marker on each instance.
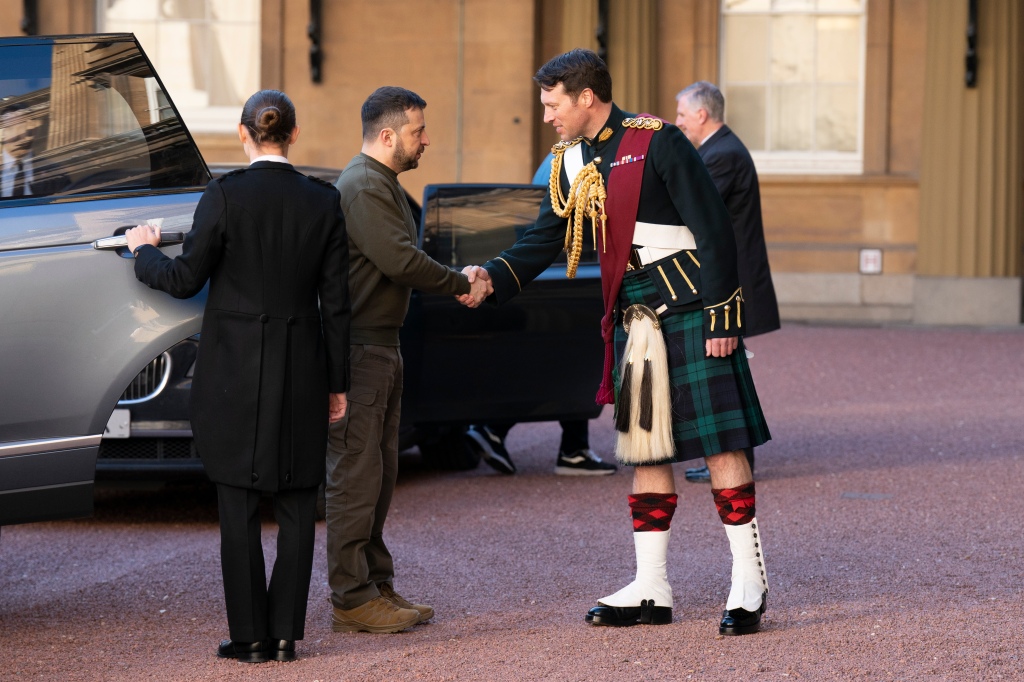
(362, 467)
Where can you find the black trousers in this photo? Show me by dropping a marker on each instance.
(256, 611)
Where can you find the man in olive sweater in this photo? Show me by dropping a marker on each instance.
(362, 453)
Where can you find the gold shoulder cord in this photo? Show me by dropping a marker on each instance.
(643, 123)
(586, 198)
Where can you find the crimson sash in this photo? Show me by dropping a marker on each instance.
(621, 206)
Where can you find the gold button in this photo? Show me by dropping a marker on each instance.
(597, 159)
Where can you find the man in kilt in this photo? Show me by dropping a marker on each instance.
(675, 365)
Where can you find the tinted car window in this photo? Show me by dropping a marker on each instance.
(468, 227)
(81, 117)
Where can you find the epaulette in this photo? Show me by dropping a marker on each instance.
(643, 123)
(321, 181)
(562, 145)
(237, 171)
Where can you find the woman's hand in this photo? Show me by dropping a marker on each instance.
(142, 234)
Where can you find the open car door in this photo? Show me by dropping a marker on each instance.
(92, 145)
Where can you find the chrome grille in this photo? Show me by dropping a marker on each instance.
(148, 449)
(149, 382)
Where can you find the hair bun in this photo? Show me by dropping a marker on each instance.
(270, 117)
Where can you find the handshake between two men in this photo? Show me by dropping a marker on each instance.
(479, 286)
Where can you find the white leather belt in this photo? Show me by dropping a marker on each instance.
(654, 242)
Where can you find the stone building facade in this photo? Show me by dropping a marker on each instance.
(892, 190)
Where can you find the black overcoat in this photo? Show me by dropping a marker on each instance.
(733, 172)
(275, 334)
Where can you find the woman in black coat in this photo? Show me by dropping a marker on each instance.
(272, 369)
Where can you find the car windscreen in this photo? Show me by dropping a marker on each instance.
(88, 116)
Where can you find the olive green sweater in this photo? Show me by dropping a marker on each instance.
(384, 263)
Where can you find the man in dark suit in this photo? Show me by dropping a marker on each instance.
(700, 111)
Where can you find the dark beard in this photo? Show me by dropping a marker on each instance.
(403, 160)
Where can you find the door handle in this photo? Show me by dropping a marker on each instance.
(119, 242)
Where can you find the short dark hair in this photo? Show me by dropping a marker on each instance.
(270, 117)
(707, 97)
(386, 108)
(577, 70)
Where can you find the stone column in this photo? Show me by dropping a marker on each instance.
(579, 24)
(632, 54)
(972, 169)
(632, 46)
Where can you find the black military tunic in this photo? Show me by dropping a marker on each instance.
(676, 190)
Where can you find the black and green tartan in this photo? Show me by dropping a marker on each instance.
(714, 404)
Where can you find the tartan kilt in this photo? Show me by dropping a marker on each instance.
(714, 404)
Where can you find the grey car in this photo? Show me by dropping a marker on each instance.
(91, 145)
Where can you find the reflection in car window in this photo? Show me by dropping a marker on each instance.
(79, 117)
(468, 226)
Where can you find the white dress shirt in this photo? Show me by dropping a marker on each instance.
(271, 157)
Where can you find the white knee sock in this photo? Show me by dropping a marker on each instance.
(749, 579)
(651, 572)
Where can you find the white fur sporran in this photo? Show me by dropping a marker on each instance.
(644, 407)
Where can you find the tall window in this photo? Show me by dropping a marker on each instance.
(793, 79)
(207, 52)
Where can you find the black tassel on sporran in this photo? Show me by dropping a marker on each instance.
(647, 397)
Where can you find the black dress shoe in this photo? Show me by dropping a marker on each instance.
(698, 475)
(246, 652)
(281, 650)
(624, 616)
(741, 621)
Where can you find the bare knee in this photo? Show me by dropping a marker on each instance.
(729, 469)
(654, 479)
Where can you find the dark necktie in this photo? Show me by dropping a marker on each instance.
(19, 180)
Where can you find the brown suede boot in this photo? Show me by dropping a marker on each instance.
(376, 615)
(388, 592)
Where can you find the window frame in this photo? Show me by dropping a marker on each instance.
(812, 162)
(203, 119)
